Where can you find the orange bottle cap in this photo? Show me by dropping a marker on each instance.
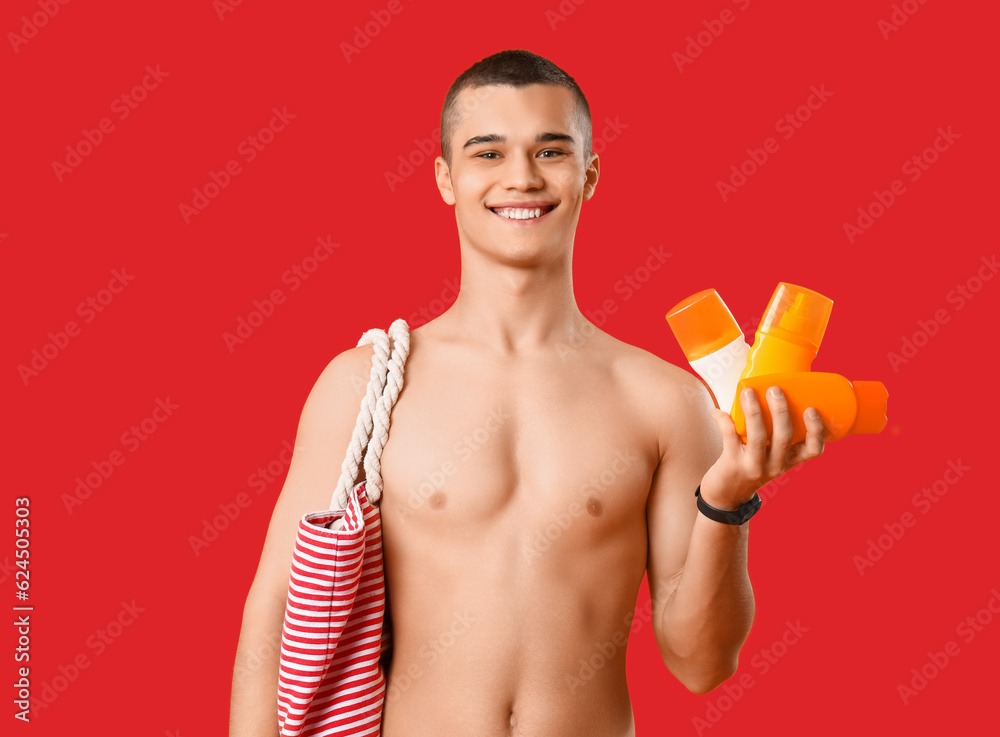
(872, 399)
(798, 314)
(703, 324)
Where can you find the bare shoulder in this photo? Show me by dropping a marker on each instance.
(325, 429)
(335, 399)
(349, 368)
(650, 376)
(670, 397)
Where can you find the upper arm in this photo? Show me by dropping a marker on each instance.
(324, 433)
(690, 443)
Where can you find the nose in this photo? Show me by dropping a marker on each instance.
(522, 172)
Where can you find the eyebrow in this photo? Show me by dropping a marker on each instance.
(499, 138)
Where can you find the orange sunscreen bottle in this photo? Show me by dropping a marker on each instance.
(790, 332)
(712, 343)
(847, 407)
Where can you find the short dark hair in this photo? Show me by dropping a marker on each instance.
(515, 68)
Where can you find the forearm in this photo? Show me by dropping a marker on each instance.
(254, 703)
(706, 620)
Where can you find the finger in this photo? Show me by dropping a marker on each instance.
(815, 442)
(731, 442)
(756, 434)
(781, 431)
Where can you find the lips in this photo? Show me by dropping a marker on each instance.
(532, 211)
(545, 205)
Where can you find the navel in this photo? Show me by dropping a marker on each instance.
(594, 507)
(438, 500)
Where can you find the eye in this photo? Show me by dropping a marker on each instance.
(488, 153)
(553, 151)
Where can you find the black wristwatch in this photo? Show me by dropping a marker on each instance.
(735, 517)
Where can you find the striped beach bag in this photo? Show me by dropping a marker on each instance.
(334, 648)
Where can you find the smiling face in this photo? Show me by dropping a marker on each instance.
(519, 172)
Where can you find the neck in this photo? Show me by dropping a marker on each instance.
(515, 309)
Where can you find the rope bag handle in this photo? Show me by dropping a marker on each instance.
(384, 385)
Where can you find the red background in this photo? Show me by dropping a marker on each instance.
(679, 131)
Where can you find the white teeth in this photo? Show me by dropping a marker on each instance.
(519, 213)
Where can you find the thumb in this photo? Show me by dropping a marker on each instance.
(730, 439)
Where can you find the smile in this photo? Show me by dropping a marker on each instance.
(523, 213)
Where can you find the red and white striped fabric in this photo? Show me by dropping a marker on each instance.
(330, 677)
(334, 648)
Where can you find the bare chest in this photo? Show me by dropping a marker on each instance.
(472, 446)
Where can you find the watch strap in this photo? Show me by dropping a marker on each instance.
(735, 517)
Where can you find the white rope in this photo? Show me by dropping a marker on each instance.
(384, 385)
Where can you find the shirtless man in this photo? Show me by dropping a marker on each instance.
(536, 467)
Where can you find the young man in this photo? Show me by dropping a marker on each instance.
(536, 467)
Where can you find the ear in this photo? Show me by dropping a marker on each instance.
(443, 177)
(591, 176)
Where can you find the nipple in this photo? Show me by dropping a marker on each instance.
(594, 507)
(438, 500)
